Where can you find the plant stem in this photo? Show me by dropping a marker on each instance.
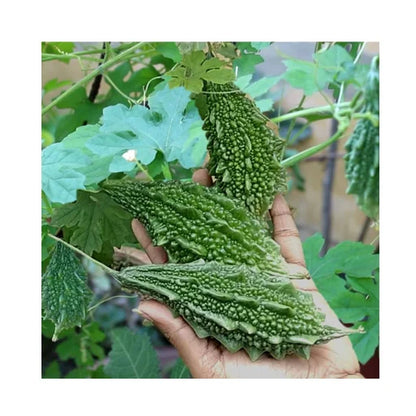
(310, 112)
(110, 81)
(52, 56)
(97, 80)
(292, 140)
(77, 250)
(90, 309)
(369, 116)
(90, 76)
(364, 229)
(143, 169)
(327, 185)
(166, 171)
(292, 160)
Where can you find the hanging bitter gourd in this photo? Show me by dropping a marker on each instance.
(362, 157)
(65, 294)
(195, 222)
(240, 306)
(245, 153)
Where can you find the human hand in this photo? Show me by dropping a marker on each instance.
(206, 358)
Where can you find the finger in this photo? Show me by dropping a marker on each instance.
(177, 331)
(286, 233)
(156, 254)
(202, 177)
(131, 254)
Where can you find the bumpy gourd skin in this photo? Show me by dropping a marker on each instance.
(244, 152)
(238, 305)
(64, 290)
(195, 222)
(362, 158)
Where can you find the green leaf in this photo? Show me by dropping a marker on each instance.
(195, 67)
(79, 373)
(59, 48)
(261, 86)
(257, 89)
(80, 136)
(132, 356)
(54, 84)
(180, 370)
(246, 63)
(60, 178)
(195, 148)
(330, 66)
(168, 128)
(333, 59)
(96, 222)
(305, 75)
(98, 167)
(83, 111)
(260, 45)
(339, 63)
(65, 294)
(82, 346)
(69, 166)
(187, 47)
(47, 242)
(52, 370)
(169, 50)
(347, 277)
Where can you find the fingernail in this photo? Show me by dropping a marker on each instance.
(144, 315)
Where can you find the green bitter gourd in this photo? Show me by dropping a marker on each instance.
(65, 294)
(362, 158)
(245, 153)
(239, 306)
(195, 222)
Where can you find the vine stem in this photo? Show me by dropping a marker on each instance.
(90, 76)
(63, 55)
(311, 111)
(290, 161)
(90, 309)
(143, 169)
(77, 250)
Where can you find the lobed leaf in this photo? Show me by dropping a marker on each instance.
(132, 356)
(167, 127)
(95, 222)
(347, 277)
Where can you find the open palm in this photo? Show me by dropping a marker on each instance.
(206, 358)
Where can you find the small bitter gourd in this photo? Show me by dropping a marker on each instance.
(362, 157)
(239, 306)
(65, 294)
(245, 153)
(194, 222)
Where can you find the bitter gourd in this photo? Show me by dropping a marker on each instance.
(65, 294)
(362, 157)
(240, 306)
(244, 151)
(195, 222)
